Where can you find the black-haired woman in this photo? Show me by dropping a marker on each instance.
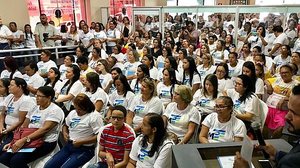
(165, 89)
(152, 148)
(123, 94)
(190, 75)
(15, 108)
(142, 72)
(94, 91)
(71, 88)
(204, 99)
(80, 131)
(47, 119)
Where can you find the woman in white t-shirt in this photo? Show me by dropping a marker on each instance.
(152, 148)
(96, 56)
(181, 117)
(94, 91)
(204, 99)
(4, 83)
(15, 108)
(190, 75)
(71, 87)
(53, 80)
(69, 60)
(130, 67)
(224, 81)
(170, 62)
(142, 72)
(123, 94)
(146, 102)
(104, 76)
(165, 89)
(222, 126)
(47, 119)
(249, 70)
(245, 102)
(80, 132)
(207, 67)
(160, 61)
(149, 61)
(11, 68)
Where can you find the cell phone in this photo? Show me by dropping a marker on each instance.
(265, 163)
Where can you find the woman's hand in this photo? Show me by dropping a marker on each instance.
(18, 145)
(66, 136)
(76, 144)
(6, 147)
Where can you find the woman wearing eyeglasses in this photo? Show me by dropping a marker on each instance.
(47, 118)
(279, 92)
(222, 126)
(207, 66)
(80, 132)
(146, 102)
(245, 101)
(181, 117)
(224, 81)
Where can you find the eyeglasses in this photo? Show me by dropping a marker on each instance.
(116, 117)
(237, 83)
(40, 96)
(221, 107)
(220, 71)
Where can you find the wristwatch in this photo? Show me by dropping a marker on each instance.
(28, 139)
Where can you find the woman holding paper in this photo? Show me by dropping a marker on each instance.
(222, 126)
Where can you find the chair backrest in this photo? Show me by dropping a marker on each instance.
(263, 108)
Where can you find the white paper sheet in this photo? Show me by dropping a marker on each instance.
(247, 150)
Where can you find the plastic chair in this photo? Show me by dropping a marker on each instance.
(43, 160)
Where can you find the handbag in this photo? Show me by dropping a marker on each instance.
(24, 132)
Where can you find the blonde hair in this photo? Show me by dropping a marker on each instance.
(151, 84)
(185, 92)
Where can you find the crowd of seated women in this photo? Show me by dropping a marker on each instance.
(127, 96)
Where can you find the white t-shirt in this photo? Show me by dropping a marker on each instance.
(281, 39)
(105, 79)
(224, 84)
(51, 113)
(99, 95)
(164, 92)
(29, 40)
(220, 56)
(72, 38)
(63, 71)
(204, 104)
(224, 132)
(82, 127)
(6, 74)
(112, 34)
(4, 31)
(140, 108)
(237, 70)
(35, 80)
(205, 71)
(153, 73)
(178, 120)
(116, 99)
(249, 105)
(85, 39)
(120, 57)
(278, 61)
(45, 66)
(259, 86)
(136, 87)
(24, 103)
(270, 37)
(17, 34)
(75, 89)
(130, 68)
(160, 159)
(186, 81)
(160, 62)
